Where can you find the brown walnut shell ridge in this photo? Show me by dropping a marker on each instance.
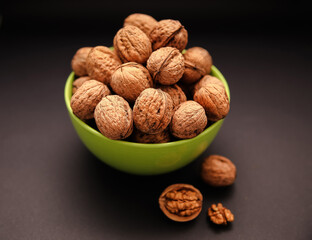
(143, 21)
(78, 62)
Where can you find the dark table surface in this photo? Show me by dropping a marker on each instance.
(52, 187)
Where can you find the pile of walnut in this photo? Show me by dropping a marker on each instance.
(145, 89)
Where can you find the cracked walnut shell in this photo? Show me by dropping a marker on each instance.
(132, 45)
(130, 79)
(169, 33)
(78, 62)
(166, 65)
(215, 101)
(79, 81)
(113, 117)
(197, 62)
(152, 111)
(188, 120)
(218, 171)
(101, 64)
(181, 202)
(220, 215)
(143, 21)
(85, 99)
(176, 93)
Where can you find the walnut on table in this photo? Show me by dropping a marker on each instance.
(113, 117)
(85, 99)
(78, 62)
(143, 21)
(101, 64)
(130, 79)
(176, 93)
(79, 81)
(152, 111)
(218, 214)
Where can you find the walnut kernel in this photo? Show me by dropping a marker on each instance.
(143, 21)
(220, 215)
(78, 62)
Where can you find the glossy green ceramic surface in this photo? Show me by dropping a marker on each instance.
(139, 158)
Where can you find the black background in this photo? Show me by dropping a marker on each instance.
(51, 187)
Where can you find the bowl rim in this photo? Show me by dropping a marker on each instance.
(68, 93)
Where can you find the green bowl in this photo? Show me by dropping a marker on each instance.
(141, 158)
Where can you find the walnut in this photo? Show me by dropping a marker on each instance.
(197, 62)
(218, 171)
(101, 64)
(85, 99)
(141, 137)
(166, 65)
(188, 120)
(143, 21)
(152, 111)
(79, 81)
(130, 79)
(78, 62)
(220, 215)
(181, 202)
(214, 100)
(169, 33)
(113, 117)
(175, 92)
(207, 79)
(132, 45)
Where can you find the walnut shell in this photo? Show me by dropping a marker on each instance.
(152, 111)
(143, 21)
(181, 202)
(130, 79)
(132, 45)
(79, 81)
(113, 117)
(101, 64)
(218, 171)
(166, 65)
(78, 62)
(141, 137)
(175, 92)
(169, 33)
(188, 120)
(207, 79)
(85, 99)
(197, 62)
(214, 100)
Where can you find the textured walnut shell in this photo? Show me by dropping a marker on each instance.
(132, 45)
(207, 79)
(79, 81)
(169, 33)
(85, 99)
(214, 100)
(166, 65)
(197, 62)
(101, 64)
(188, 120)
(181, 202)
(141, 137)
(113, 117)
(152, 111)
(143, 21)
(175, 92)
(218, 171)
(78, 62)
(130, 79)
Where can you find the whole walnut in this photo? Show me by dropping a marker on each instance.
(175, 92)
(197, 62)
(218, 171)
(101, 64)
(207, 79)
(130, 79)
(78, 62)
(140, 137)
(113, 117)
(132, 45)
(152, 111)
(79, 81)
(215, 101)
(166, 65)
(85, 99)
(143, 21)
(188, 120)
(169, 33)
